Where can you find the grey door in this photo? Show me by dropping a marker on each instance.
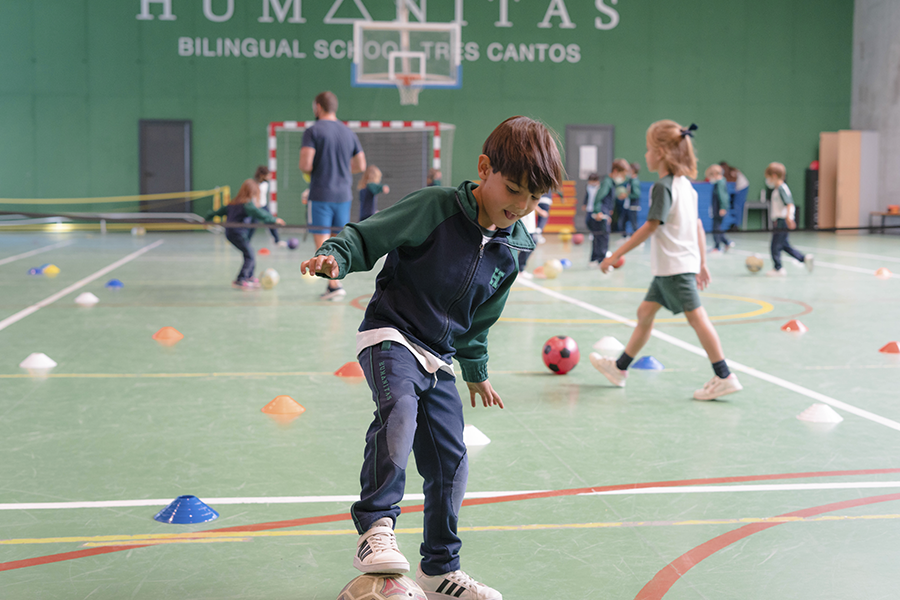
(588, 148)
(165, 163)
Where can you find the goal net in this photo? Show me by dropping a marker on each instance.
(405, 151)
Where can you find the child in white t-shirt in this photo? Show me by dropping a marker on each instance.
(677, 259)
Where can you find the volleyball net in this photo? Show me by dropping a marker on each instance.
(157, 212)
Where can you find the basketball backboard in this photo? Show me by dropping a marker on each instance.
(407, 55)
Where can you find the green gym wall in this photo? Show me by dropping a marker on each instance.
(761, 78)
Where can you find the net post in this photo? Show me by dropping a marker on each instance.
(226, 195)
(217, 203)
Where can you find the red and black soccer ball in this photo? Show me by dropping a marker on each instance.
(560, 354)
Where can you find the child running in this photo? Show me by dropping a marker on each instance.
(451, 261)
(240, 210)
(781, 211)
(677, 259)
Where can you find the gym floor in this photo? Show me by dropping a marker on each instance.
(584, 491)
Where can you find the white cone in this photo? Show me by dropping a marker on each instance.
(86, 299)
(609, 346)
(38, 360)
(473, 438)
(820, 413)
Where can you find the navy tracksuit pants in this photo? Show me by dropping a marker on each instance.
(780, 243)
(420, 412)
(238, 239)
(600, 229)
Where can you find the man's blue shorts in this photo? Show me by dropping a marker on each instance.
(323, 215)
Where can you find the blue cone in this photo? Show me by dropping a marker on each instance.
(566, 263)
(114, 283)
(186, 509)
(35, 271)
(648, 363)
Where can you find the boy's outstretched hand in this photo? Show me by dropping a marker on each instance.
(488, 396)
(320, 265)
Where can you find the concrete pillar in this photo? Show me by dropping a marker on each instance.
(875, 104)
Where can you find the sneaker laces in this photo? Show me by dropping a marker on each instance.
(383, 540)
(463, 578)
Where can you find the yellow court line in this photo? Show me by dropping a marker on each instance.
(201, 536)
(764, 307)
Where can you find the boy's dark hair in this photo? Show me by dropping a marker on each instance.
(261, 172)
(635, 169)
(524, 148)
(328, 101)
(594, 176)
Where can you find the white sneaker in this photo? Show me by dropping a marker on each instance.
(608, 367)
(782, 272)
(281, 244)
(717, 387)
(808, 262)
(377, 551)
(333, 294)
(729, 246)
(455, 584)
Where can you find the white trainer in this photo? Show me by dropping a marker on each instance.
(718, 387)
(782, 272)
(455, 584)
(377, 551)
(333, 294)
(808, 262)
(608, 367)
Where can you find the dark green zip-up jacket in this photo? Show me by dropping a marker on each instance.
(442, 285)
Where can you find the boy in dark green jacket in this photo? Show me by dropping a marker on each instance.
(452, 257)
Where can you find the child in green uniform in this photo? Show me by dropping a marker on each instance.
(677, 259)
(452, 257)
(781, 211)
(721, 202)
(242, 210)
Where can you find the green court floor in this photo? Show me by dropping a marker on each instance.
(584, 491)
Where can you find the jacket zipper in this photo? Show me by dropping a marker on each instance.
(462, 292)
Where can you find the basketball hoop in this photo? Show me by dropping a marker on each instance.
(408, 88)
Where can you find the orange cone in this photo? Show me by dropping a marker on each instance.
(891, 348)
(283, 409)
(264, 252)
(794, 326)
(539, 273)
(168, 336)
(351, 369)
(882, 273)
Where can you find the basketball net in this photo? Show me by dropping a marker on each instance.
(409, 91)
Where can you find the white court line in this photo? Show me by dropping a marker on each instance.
(78, 284)
(852, 254)
(733, 364)
(774, 487)
(819, 263)
(10, 259)
(223, 501)
(680, 489)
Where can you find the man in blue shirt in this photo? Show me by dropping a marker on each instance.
(330, 154)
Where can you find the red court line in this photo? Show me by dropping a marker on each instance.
(52, 558)
(671, 573)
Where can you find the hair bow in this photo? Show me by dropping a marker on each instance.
(689, 131)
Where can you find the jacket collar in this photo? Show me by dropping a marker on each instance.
(515, 236)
